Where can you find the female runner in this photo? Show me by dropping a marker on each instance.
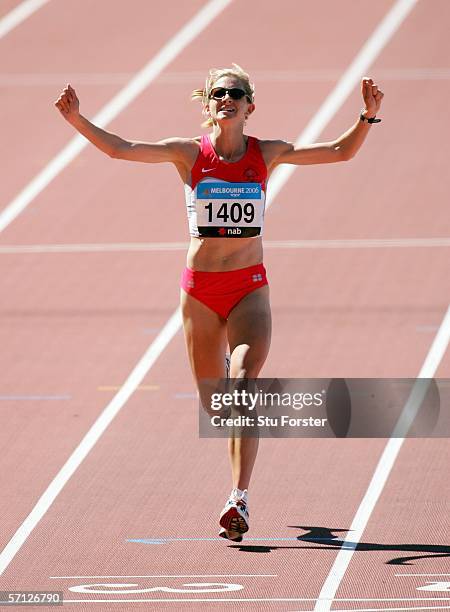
(225, 295)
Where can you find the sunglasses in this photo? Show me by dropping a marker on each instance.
(235, 93)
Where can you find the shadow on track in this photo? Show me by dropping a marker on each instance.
(327, 539)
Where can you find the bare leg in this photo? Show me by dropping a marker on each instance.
(248, 328)
(249, 332)
(206, 339)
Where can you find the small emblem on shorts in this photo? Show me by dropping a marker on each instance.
(256, 278)
(207, 170)
(190, 283)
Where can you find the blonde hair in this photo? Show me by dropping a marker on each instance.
(214, 75)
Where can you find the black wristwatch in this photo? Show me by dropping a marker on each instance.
(371, 120)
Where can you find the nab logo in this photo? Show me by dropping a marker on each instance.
(234, 231)
(222, 231)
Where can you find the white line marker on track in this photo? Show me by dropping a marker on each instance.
(195, 600)
(120, 101)
(180, 576)
(34, 398)
(388, 609)
(350, 243)
(19, 14)
(317, 75)
(24, 79)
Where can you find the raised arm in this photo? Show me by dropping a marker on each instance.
(342, 149)
(176, 150)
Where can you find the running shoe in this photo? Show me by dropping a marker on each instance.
(234, 536)
(234, 516)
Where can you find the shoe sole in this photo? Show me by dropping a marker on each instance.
(233, 521)
(223, 533)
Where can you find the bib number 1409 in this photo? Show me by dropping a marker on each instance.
(235, 212)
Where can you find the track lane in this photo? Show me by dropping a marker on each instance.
(46, 328)
(284, 333)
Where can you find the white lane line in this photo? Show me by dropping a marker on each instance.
(319, 120)
(179, 576)
(293, 76)
(384, 467)
(125, 96)
(93, 248)
(351, 243)
(19, 14)
(438, 348)
(388, 609)
(351, 77)
(34, 398)
(318, 75)
(193, 601)
(359, 243)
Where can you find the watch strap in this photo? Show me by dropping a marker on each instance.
(369, 120)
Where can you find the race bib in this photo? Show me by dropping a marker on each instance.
(229, 210)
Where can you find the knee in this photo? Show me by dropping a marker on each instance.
(246, 363)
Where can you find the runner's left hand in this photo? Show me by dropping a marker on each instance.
(372, 96)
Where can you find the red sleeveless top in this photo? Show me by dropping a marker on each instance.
(250, 169)
(227, 199)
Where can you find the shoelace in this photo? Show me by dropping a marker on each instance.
(239, 502)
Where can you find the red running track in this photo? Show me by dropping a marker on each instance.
(73, 325)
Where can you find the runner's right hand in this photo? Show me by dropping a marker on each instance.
(68, 103)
